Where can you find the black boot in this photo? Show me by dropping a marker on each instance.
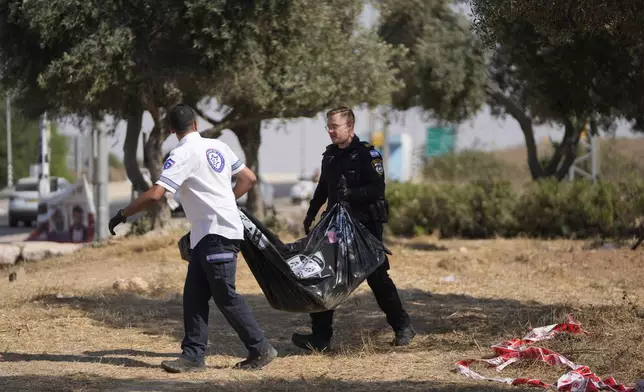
(404, 336)
(311, 342)
(259, 361)
(183, 365)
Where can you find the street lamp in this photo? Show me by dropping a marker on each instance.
(9, 147)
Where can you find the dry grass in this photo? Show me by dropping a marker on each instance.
(64, 328)
(629, 149)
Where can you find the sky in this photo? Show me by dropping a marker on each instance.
(295, 147)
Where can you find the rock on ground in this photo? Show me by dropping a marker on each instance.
(135, 284)
(34, 251)
(9, 254)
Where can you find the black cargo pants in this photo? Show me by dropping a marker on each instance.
(383, 289)
(211, 273)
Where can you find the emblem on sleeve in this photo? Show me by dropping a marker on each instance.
(374, 153)
(377, 165)
(215, 160)
(168, 164)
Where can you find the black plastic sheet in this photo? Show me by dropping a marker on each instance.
(317, 272)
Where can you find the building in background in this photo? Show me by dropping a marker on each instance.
(401, 154)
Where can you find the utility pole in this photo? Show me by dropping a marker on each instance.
(101, 182)
(385, 143)
(78, 155)
(9, 146)
(43, 157)
(589, 140)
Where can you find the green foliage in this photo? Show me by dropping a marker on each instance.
(467, 166)
(303, 58)
(442, 67)
(24, 140)
(59, 145)
(544, 208)
(273, 59)
(561, 20)
(586, 54)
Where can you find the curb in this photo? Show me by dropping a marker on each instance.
(10, 254)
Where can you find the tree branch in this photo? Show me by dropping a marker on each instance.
(210, 119)
(525, 122)
(555, 160)
(574, 130)
(215, 131)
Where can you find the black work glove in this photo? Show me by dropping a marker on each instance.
(308, 221)
(343, 191)
(116, 220)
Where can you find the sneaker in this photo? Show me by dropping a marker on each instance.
(183, 365)
(311, 342)
(404, 336)
(258, 362)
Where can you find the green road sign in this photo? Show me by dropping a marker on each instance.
(439, 141)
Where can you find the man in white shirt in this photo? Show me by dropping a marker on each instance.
(201, 170)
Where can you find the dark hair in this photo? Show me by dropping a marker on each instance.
(77, 208)
(181, 117)
(344, 112)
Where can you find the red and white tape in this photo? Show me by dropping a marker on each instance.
(578, 379)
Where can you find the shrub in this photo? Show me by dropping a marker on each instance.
(544, 208)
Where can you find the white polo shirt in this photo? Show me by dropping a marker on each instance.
(201, 169)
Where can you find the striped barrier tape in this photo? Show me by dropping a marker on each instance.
(578, 379)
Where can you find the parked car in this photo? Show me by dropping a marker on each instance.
(268, 196)
(23, 199)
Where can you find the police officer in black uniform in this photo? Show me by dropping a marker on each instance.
(352, 170)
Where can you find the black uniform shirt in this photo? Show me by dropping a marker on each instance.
(362, 166)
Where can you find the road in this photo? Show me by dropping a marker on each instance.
(20, 233)
(119, 195)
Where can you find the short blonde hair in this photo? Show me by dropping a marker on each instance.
(344, 111)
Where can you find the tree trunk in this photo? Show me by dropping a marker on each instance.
(564, 155)
(134, 122)
(249, 137)
(570, 144)
(525, 122)
(159, 214)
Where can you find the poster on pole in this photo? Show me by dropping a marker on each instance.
(67, 215)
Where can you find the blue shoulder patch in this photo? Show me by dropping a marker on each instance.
(374, 153)
(215, 159)
(168, 164)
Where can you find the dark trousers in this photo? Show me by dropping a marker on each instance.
(383, 289)
(211, 273)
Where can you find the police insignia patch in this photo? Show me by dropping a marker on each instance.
(168, 164)
(377, 165)
(374, 153)
(215, 160)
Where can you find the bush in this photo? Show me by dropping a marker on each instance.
(549, 209)
(544, 208)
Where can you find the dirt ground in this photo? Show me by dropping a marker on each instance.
(63, 327)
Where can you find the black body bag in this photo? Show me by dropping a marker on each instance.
(317, 272)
